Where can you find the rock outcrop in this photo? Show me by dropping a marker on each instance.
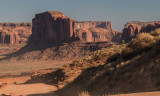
(116, 36)
(93, 31)
(94, 34)
(15, 33)
(133, 28)
(52, 26)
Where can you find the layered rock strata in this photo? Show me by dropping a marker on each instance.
(93, 31)
(15, 33)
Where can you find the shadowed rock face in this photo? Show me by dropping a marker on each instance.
(133, 28)
(52, 26)
(15, 33)
(116, 36)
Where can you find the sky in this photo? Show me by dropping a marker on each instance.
(118, 12)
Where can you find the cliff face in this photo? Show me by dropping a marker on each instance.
(15, 33)
(133, 28)
(116, 36)
(52, 26)
(94, 31)
(93, 24)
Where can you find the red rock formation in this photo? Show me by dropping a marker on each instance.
(52, 26)
(150, 27)
(15, 33)
(94, 31)
(116, 36)
(93, 24)
(94, 34)
(133, 28)
(130, 31)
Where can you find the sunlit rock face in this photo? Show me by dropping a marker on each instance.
(92, 24)
(93, 31)
(15, 33)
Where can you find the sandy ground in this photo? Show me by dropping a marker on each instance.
(12, 80)
(18, 67)
(27, 89)
(15, 86)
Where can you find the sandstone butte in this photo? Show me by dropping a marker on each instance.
(53, 26)
(135, 27)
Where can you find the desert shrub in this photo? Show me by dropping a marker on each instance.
(84, 93)
(28, 24)
(158, 83)
(156, 32)
(113, 58)
(12, 24)
(5, 24)
(157, 38)
(143, 42)
(22, 24)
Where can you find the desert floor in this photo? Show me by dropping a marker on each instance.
(12, 81)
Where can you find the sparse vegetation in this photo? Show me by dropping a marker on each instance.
(99, 57)
(138, 59)
(114, 69)
(85, 93)
(143, 42)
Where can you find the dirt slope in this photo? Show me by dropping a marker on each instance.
(127, 72)
(68, 51)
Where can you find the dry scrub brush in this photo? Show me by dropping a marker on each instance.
(143, 42)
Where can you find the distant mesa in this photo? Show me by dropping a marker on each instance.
(91, 24)
(15, 33)
(54, 26)
(93, 31)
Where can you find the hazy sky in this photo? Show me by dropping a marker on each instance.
(117, 11)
